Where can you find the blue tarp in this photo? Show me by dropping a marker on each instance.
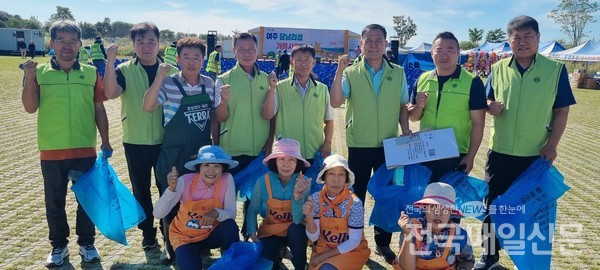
(525, 215)
(108, 203)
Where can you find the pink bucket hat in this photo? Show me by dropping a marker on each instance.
(440, 194)
(286, 147)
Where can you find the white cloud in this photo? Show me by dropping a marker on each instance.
(175, 5)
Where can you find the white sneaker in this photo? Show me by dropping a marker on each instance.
(89, 254)
(57, 256)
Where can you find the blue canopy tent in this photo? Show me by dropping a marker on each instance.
(546, 48)
(586, 52)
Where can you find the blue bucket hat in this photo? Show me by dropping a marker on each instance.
(211, 154)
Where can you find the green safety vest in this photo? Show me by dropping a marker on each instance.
(211, 66)
(521, 129)
(83, 55)
(139, 126)
(171, 56)
(96, 52)
(67, 115)
(369, 120)
(245, 131)
(302, 120)
(453, 111)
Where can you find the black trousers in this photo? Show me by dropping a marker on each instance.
(141, 160)
(501, 171)
(55, 174)
(362, 161)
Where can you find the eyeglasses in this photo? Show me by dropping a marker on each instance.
(65, 43)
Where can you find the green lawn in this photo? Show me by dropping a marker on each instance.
(23, 229)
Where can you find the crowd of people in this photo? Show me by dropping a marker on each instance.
(197, 132)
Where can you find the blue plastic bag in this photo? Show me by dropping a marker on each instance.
(391, 199)
(470, 193)
(246, 178)
(108, 203)
(529, 207)
(313, 171)
(242, 256)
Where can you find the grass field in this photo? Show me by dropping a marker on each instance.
(23, 228)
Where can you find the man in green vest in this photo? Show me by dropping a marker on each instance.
(301, 106)
(142, 131)
(213, 66)
(66, 138)
(98, 54)
(245, 133)
(529, 98)
(171, 54)
(377, 96)
(450, 97)
(83, 55)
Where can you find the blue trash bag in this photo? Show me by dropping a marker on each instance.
(242, 256)
(470, 193)
(525, 215)
(313, 171)
(391, 199)
(246, 178)
(108, 203)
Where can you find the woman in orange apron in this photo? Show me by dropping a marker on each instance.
(335, 220)
(206, 216)
(282, 221)
(435, 242)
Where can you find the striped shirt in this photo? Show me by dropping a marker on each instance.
(170, 96)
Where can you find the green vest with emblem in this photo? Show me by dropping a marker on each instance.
(67, 115)
(301, 120)
(521, 129)
(369, 120)
(171, 56)
(453, 110)
(139, 126)
(245, 131)
(83, 55)
(211, 66)
(96, 52)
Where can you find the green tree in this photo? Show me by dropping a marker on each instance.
(475, 35)
(104, 28)
(405, 29)
(121, 29)
(88, 30)
(496, 35)
(167, 35)
(62, 13)
(574, 16)
(466, 45)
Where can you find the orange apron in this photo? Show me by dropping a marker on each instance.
(334, 230)
(278, 217)
(440, 262)
(185, 227)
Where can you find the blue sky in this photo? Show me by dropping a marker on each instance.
(430, 16)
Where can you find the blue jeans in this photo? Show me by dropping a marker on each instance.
(296, 239)
(188, 256)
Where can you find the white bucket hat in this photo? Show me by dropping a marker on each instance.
(335, 161)
(440, 194)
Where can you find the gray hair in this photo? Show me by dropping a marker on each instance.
(64, 26)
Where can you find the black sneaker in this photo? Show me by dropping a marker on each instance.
(150, 244)
(385, 252)
(487, 262)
